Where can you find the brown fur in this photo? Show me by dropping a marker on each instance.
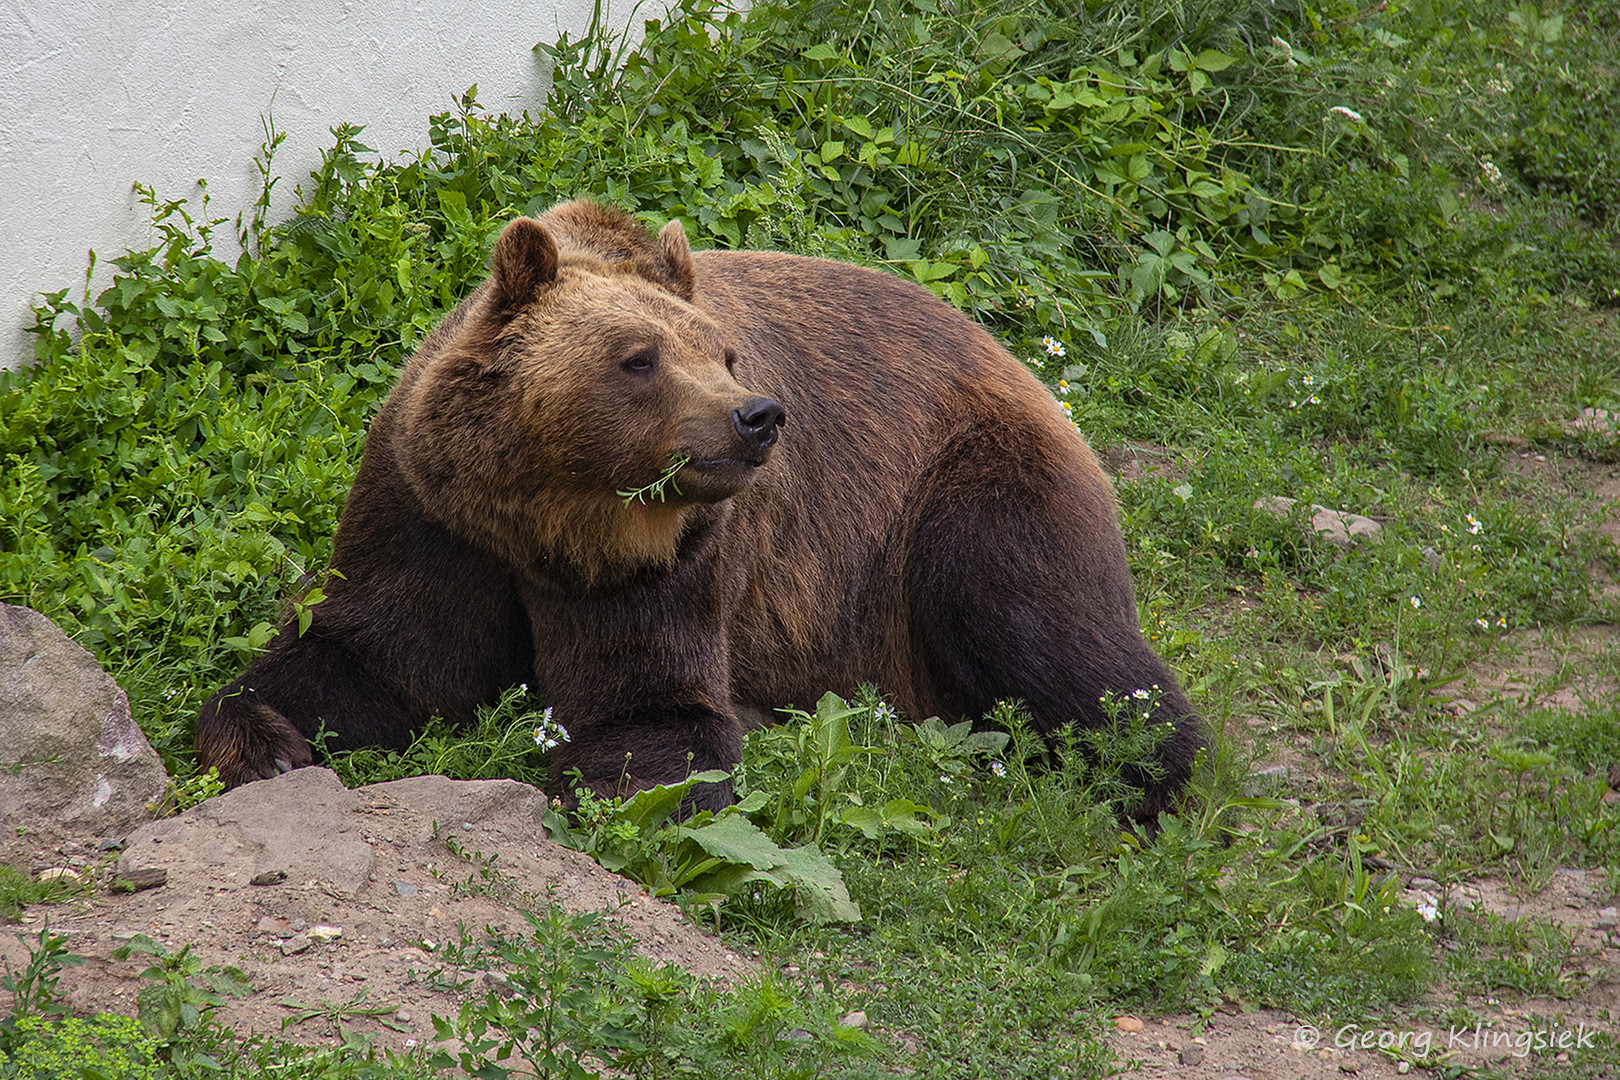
(930, 522)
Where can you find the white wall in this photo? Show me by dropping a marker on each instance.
(98, 94)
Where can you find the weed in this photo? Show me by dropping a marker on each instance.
(18, 890)
(33, 989)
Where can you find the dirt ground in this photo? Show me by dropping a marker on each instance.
(337, 904)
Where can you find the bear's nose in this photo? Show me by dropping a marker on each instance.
(757, 420)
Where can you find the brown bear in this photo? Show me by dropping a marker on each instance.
(679, 491)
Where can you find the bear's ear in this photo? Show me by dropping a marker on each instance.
(677, 258)
(525, 261)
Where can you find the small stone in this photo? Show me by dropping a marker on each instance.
(403, 1016)
(138, 880)
(56, 873)
(404, 888)
(296, 944)
(325, 933)
(1464, 897)
(111, 843)
(1606, 919)
(856, 1019)
(1428, 885)
(1403, 1067)
(1191, 1054)
(274, 927)
(268, 877)
(1128, 1023)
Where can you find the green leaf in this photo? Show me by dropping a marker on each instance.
(822, 51)
(654, 806)
(819, 893)
(737, 840)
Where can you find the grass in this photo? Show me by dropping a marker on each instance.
(1264, 244)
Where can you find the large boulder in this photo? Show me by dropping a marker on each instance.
(72, 760)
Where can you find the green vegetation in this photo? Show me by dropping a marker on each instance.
(1358, 257)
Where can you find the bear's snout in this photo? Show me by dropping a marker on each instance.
(756, 421)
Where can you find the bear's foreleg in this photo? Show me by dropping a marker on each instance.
(646, 747)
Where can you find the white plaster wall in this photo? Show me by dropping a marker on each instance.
(98, 94)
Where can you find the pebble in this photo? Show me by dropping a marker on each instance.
(1191, 1054)
(1463, 896)
(274, 927)
(1128, 1023)
(856, 1019)
(1403, 1067)
(404, 888)
(111, 843)
(296, 944)
(56, 873)
(1606, 919)
(325, 933)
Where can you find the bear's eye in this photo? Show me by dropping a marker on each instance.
(644, 361)
(731, 361)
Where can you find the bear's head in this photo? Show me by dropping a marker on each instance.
(580, 406)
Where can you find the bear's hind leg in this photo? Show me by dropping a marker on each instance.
(1018, 589)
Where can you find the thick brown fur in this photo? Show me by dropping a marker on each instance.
(930, 521)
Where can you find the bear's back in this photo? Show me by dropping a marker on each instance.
(880, 380)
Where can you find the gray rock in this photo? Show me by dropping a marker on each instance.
(74, 761)
(1190, 1054)
(295, 822)
(1339, 526)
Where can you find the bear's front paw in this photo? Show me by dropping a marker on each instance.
(246, 740)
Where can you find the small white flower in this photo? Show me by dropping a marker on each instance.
(1501, 623)
(1307, 380)
(944, 779)
(998, 768)
(1054, 347)
(1414, 601)
(1314, 400)
(1492, 174)
(1428, 910)
(1346, 112)
(1142, 694)
(1482, 624)
(1474, 526)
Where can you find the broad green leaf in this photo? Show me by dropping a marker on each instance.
(651, 808)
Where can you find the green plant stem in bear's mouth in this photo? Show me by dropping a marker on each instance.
(656, 491)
